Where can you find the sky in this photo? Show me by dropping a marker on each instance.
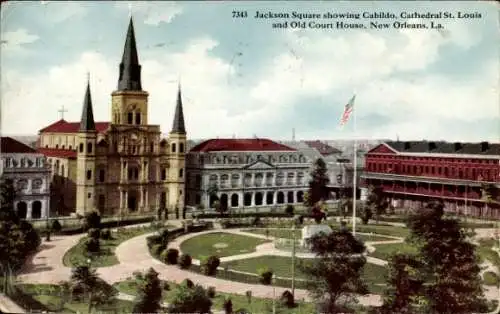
(241, 77)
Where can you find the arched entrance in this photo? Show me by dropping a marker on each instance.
(300, 196)
(281, 198)
(247, 199)
(223, 202)
(258, 198)
(212, 200)
(289, 197)
(36, 210)
(22, 209)
(269, 198)
(234, 200)
(132, 201)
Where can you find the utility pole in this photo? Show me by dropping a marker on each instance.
(293, 261)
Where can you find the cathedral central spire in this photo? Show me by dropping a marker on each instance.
(87, 122)
(130, 69)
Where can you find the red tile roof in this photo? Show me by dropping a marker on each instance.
(9, 145)
(240, 145)
(58, 153)
(63, 126)
(323, 148)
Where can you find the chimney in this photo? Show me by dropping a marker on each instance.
(458, 146)
(407, 145)
(485, 146)
(432, 146)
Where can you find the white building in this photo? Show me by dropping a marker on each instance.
(30, 175)
(245, 173)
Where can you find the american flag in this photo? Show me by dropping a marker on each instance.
(347, 111)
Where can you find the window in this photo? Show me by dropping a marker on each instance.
(152, 147)
(198, 199)
(62, 147)
(89, 195)
(70, 147)
(89, 174)
(137, 118)
(101, 175)
(164, 174)
(89, 148)
(181, 173)
(173, 148)
(101, 202)
(57, 146)
(181, 148)
(130, 117)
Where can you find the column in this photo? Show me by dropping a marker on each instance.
(29, 209)
(29, 187)
(275, 198)
(146, 200)
(126, 199)
(43, 210)
(252, 182)
(275, 174)
(46, 205)
(252, 203)
(141, 202)
(240, 199)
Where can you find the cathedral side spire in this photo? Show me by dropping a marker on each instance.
(130, 69)
(178, 125)
(87, 122)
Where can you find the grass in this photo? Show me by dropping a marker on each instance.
(394, 231)
(374, 275)
(490, 278)
(288, 234)
(203, 245)
(47, 296)
(385, 251)
(257, 305)
(485, 251)
(77, 255)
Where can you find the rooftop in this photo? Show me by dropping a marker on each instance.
(240, 145)
(8, 145)
(58, 153)
(63, 126)
(441, 147)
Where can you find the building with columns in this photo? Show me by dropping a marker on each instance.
(122, 166)
(412, 173)
(31, 177)
(244, 173)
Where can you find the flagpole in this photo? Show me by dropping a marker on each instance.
(355, 163)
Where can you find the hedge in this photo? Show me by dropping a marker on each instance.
(107, 224)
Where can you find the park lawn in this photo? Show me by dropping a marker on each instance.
(394, 231)
(47, 296)
(77, 255)
(257, 305)
(385, 251)
(226, 244)
(485, 252)
(374, 275)
(288, 234)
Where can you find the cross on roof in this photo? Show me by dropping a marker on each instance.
(62, 111)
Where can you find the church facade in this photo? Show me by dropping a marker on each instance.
(123, 166)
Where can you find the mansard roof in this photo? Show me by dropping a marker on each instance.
(8, 145)
(323, 148)
(63, 126)
(240, 145)
(58, 153)
(441, 147)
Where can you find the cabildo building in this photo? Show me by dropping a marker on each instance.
(244, 173)
(456, 173)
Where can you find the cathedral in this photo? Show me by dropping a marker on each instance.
(119, 167)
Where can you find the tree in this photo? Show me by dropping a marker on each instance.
(377, 201)
(149, 294)
(92, 220)
(318, 185)
(86, 284)
(336, 273)
(446, 263)
(190, 300)
(489, 194)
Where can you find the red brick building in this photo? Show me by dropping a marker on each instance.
(412, 173)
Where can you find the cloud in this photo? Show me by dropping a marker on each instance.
(14, 41)
(152, 12)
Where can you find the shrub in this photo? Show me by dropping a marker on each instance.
(287, 299)
(256, 221)
(490, 278)
(56, 226)
(185, 261)
(289, 209)
(210, 265)
(266, 276)
(138, 275)
(157, 249)
(106, 234)
(92, 220)
(165, 286)
(299, 220)
(228, 306)
(92, 245)
(188, 283)
(211, 292)
(94, 233)
(153, 240)
(171, 256)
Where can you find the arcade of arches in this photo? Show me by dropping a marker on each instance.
(31, 209)
(259, 198)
